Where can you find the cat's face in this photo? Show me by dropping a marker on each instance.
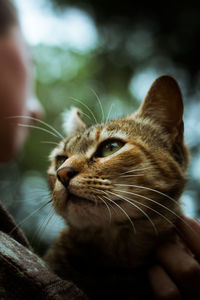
(127, 169)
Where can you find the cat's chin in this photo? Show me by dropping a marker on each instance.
(79, 211)
(79, 200)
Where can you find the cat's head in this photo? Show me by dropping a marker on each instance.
(127, 169)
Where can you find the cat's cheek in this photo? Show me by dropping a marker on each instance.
(60, 195)
(51, 181)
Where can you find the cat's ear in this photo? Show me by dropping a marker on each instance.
(72, 121)
(164, 105)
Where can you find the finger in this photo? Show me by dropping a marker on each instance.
(190, 232)
(181, 267)
(162, 286)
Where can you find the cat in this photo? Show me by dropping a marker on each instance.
(117, 185)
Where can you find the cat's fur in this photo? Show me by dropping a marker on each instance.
(109, 243)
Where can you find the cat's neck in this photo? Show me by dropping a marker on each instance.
(121, 244)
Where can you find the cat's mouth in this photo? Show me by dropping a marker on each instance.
(79, 200)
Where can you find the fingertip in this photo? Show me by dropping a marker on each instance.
(189, 230)
(186, 223)
(162, 285)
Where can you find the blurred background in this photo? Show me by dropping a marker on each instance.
(113, 50)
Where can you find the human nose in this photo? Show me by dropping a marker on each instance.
(34, 108)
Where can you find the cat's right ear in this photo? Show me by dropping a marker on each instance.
(72, 121)
(164, 105)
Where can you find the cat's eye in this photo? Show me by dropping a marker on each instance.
(109, 147)
(60, 159)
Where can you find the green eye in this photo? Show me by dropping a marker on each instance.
(109, 147)
(60, 159)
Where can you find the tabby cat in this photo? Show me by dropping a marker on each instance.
(117, 185)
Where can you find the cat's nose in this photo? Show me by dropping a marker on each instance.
(65, 174)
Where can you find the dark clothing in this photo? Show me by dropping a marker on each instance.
(23, 275)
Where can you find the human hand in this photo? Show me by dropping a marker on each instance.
(177, 276)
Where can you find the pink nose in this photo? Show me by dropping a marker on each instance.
(65, 174)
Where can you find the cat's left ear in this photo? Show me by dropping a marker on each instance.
(72, 121)
(164, 105)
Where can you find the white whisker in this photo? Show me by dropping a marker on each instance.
(132, 175)
(135, 170)
(154, 201)
(121, 210)
(147, 188)
(40, 231)
(109, 211)
(112, 104)
(41, 122)
(157, 212)
(30, 215)
(161, 205)
(98, 190)
(40, 128)
(83, 113)
(48, 142)
(85, 107)
(101, 107)
(126, 199)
